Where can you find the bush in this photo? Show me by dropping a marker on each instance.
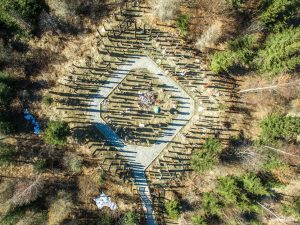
(57, 133)
(47, 100)
(5, 93)
(7, 154)
(253, 185)
(242, 192)
(182, 23)
(19, 17)
(240, 53)
(198, 220)
(40, 165)
(102, 177)
(13, 216)
(208, 156)
(292, 208)
(236, 5)
(228, 189)
(7, 127)
(211, 204)
(130, 218)
(279, 13)
(271, 163)
(276, 126)
(281, 53)
(26, 9)
(173, 209)
(5, 78)
(74, 163)
(33, 217)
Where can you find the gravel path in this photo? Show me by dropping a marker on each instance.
(140, 157)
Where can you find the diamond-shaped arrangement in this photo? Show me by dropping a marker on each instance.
(140, 108)
(131, 64)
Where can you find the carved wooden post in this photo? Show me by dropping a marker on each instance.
(144, 28)
(120, 28)
(135, 29)
(151, 32)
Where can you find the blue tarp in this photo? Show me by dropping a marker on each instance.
(31, 119)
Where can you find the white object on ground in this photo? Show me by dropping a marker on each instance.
(105, 201)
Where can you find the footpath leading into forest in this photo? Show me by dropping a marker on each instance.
(140, 157)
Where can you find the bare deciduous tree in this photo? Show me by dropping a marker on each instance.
(165, 9)
(209, 37)
(27, 191)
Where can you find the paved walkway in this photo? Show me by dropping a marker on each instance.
(140, 157)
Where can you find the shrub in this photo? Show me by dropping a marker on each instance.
(74, 163)
(173, 209)
(272, 162)
(236, 4)
(13, 216)
(280, 54)
(57, 133)
(198, 220)
(211, 204)
(60, 208)
(7, 127)
(102, 177)
(5, 77)
(26, 9)
(279, 13)
(240, 52)
(130, 218)
(5, 93)
(242, 192)
(228, 189)
(47, 100)
(208, 156)
(33, 217)
(182, 23)
(40, 165)
(276, 126)
(222, 61)
(253, 185)
(292, 208)
(7, 154)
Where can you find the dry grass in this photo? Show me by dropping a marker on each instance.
(60, 208)
(262, 103)
(208, 14)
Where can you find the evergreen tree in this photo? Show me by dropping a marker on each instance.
(281, 52)
(279, 13)
(57, 133)
(208, 156)
(211, 204)
(276, 126)
(240, 53)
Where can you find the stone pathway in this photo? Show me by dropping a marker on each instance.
(140, 157)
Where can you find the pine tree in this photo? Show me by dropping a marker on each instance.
(281, 52)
